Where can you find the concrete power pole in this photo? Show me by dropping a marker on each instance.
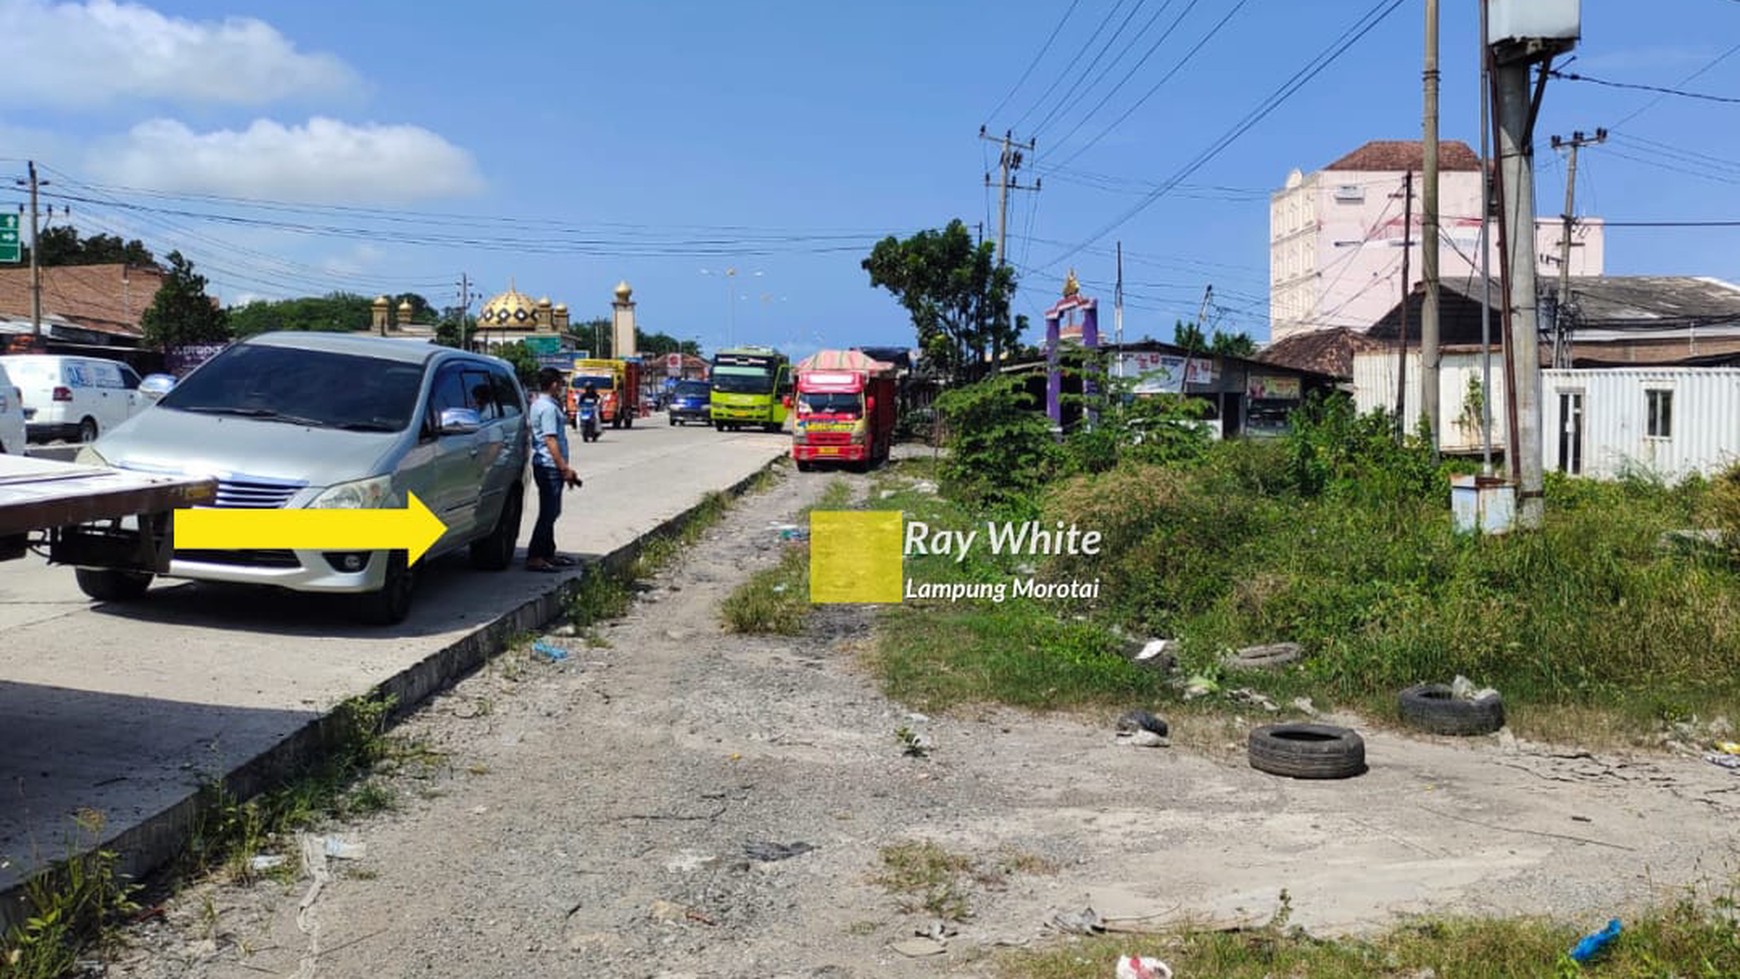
(1561, 314)
(1429, 239)
(1008, 162)
(35, 266)
(1402, 335)
(1516, 107)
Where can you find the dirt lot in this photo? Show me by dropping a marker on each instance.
(591, 817)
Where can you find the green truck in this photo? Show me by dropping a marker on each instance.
(751, 386)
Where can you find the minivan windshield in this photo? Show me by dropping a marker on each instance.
(692, 389)
(830, 404)
(302, 387)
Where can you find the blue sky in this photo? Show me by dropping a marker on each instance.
(567, 145)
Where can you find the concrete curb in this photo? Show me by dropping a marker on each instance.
(153, 844)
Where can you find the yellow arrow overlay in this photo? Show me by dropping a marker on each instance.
(413, 528)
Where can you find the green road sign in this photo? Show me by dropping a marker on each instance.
(544, 345)
(11, 250)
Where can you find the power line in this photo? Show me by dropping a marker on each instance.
(1652, 103)
(1571, 76)
(1672, 224)
(1371, 19)
(1177, 67)
(1035, 62)
(1067, 101)
(1078, 56)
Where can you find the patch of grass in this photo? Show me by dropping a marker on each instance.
(69, 906)
(599, 597)
(941, 657)
(925, 877)
(774, 600)
(1688, 938)
(72, 905)
(661, 551)
(1366, 572)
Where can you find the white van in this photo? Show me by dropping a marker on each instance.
(11, 416)
(76, 398)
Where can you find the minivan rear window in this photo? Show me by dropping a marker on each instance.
(304, 387)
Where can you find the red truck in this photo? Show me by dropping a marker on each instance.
(845, 410)
(618, 384)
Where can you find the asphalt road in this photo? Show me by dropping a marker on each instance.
(123, 709)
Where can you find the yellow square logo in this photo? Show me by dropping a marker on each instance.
(855, 556)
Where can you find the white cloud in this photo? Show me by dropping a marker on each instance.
(324, 162)
(356, 261)
(90, 54)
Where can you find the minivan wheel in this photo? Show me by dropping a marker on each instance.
(111, 584)
(496, 552)
(392, 603)
(88, 430)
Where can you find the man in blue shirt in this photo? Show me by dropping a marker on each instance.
(550, 470)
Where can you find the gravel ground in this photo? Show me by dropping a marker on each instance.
(591, 817)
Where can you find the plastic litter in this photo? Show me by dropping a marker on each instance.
(269, 861)
(1730, 762)
(1462, 688)
(1728, 747)
(1593, 944)
(340, 850)
(1154, 647)
(549, 651)
(1141, 720)
(1142, 967)
(770, 852)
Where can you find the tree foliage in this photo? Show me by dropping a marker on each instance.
(1000, 450)
(956, 293)
(1153, 429)
(597, 336)
(181, 312)
(62, 245)
(1190, 337)
(337, 312)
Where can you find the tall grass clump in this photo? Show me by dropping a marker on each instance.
(1339, 537)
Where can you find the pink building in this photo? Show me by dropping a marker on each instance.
(1335, 236)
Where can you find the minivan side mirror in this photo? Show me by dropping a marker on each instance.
(459, 421)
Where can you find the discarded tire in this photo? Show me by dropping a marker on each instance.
(1266, 657)
(1433, 708)
(1307, 751)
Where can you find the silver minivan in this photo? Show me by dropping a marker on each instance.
(336, 420)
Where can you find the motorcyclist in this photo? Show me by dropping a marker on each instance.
(589, 396)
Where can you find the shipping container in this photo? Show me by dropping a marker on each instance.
(1669, 422)
(1459, 394)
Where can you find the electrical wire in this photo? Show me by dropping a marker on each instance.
(1077, 91)
(1078, 56)
(1035, 62)
(1640, 110)
(1370, 20)
(1178, 66)
(1571, 76)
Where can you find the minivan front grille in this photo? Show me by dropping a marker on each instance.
(252, 493)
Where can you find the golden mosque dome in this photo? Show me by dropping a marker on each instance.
(510, 309)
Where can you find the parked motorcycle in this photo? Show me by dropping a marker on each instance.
(589, 422)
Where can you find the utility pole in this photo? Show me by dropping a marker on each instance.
(465, 298)
(1485, 249)
(35, 262)
(1561, 314)
(1429, 241)
(1517, 108)
(1008, 162)
(1118, 314)
(1402, 335)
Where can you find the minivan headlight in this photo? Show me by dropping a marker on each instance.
(362, 494)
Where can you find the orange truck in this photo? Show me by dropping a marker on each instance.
(845, 410)
(618, 384)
